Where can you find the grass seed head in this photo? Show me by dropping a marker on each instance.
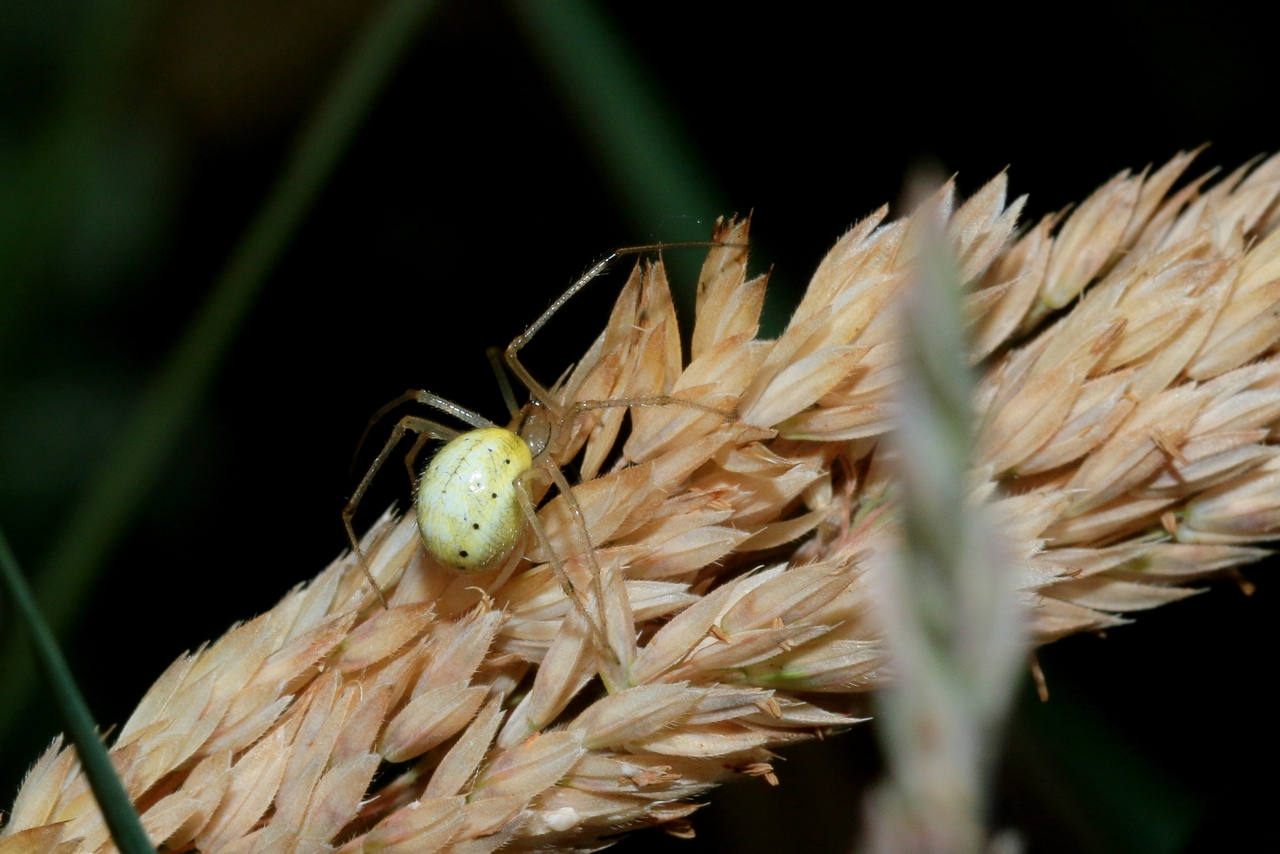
(1128, 395)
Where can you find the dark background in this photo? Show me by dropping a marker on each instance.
(471, 197)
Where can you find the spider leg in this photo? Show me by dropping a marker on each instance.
(565, 433)
(426, 398)
(411, 458)
(659, 400)
(612, 669)
(620, 656)
(409, 423)
(536, 389)
(504, 384)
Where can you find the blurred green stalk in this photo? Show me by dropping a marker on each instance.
(117, 489)
(1097, 784)
(646, 158)
(122, 820)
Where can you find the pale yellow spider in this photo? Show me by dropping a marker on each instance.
(476, 495)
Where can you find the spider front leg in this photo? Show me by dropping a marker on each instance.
(512, 354)
(407, 424)
(659, 400)
(565, 433)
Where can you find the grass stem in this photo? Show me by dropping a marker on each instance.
(108, 791)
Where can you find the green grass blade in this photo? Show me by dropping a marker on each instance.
(116, 490)
(122, 819)
(1099, 783)
(646, 158)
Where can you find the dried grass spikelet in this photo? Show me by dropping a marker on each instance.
(1125, 440)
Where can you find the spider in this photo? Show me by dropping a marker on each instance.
(475, 497)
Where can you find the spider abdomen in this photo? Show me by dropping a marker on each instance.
(468, 511)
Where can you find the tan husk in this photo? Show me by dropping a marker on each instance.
(1125, 441)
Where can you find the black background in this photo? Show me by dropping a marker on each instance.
(469, 200)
